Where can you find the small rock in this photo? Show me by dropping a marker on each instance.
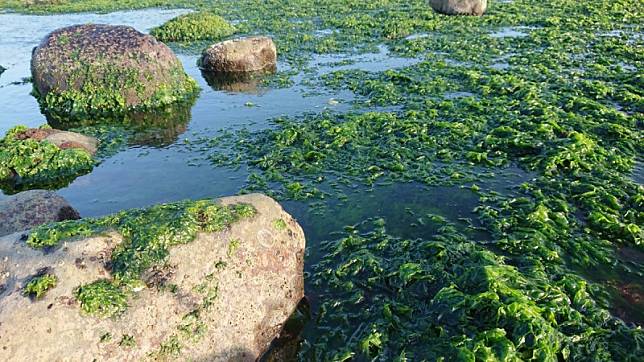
(28, 209)
(459, 7)
(62, 139)
(254, 54)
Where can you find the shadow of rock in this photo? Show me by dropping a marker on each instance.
(246, 82)
(287, 345)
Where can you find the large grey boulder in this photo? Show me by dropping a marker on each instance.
(459, 7)
(87, 71)
(253, 54)
(31, 208)
(252, 289)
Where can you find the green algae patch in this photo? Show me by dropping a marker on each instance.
(148, 234)
(102, 96)
(386, 298)
(196, 26)
(28, 163)
(39, 285)
(101, 298)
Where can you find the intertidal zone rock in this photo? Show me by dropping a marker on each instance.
(95, 71)
(221, 295)
(253, 54)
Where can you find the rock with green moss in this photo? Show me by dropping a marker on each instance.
(459, 7)
(201, 25)
(172, 277)
(102, 71)
(43, 158)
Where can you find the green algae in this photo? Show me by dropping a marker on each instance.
(39, 285)
(127, 341)
(193, 27)
(101, 298)
(28, 164)
(148, 234)
(279, 224)
(559, 103)
(385, 297)
(102, 95)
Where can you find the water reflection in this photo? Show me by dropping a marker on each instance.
(247, 82)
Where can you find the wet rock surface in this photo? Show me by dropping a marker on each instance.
(32, 208)
(251, 290)
(253, 54)
(459, 7)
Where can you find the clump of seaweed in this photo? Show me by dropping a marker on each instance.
(202, 25)
(39, 285)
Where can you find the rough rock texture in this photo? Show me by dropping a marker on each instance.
(62, 139)
(459, 7)
(252, 54)
(27, 209)
(96, 68)
(256, 287)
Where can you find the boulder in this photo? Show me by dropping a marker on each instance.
(459, 7)
(28, 209)
(254, 54)
(94, 70)
(62, 139)
(250, 274)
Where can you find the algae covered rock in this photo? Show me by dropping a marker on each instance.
(28, 209)
(253, 54)
(201, 25)
(459, 7)
(194, 280)
(43, 158)
(97, 71)
(62, 139)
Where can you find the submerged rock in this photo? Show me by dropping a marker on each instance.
(254, 54)
(222, 294)
(459, 7)
(28, 209)
(94, 70)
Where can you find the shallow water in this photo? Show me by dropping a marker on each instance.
(123, 181)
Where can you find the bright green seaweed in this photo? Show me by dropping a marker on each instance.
(193, 27)
(28, 163)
